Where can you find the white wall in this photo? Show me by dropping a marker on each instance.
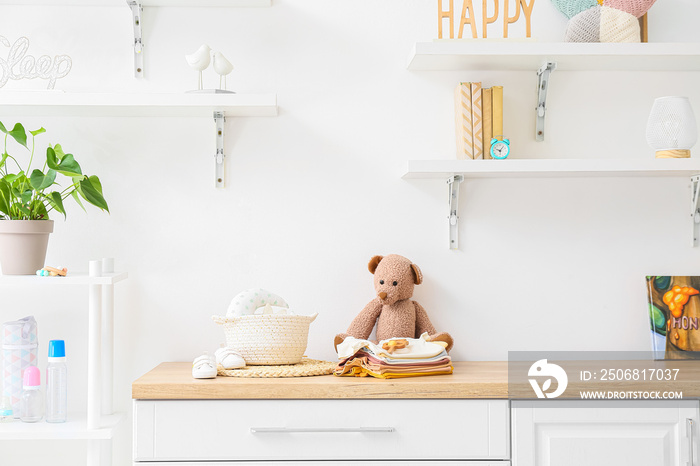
(545, 264)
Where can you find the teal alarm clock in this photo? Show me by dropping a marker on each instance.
(500, 149)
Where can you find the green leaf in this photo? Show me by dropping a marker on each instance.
(10, 178)
(25, 196)
(19, 134)
(39, 181)
(2, 128)
(59, 151)
(4, 197)
(65, 164)
(38, 131)
(51, 159)
(74, 193)
(68, 166)
(57, 202)
(91, 190)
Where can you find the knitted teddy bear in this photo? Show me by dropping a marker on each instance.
(603, 20)
(394, 313)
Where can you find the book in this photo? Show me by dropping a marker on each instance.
(487, 120)
(463, 121)
(497, 111)
(477, 128)
(674, 313)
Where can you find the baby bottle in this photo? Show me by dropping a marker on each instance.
(32, 403)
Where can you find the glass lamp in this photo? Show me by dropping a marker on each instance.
(671, 129)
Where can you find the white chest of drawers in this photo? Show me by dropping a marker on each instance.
(428, 420)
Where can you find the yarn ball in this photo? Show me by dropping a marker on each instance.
(573, 7)
(584, 27)
(618, 26)
(603, 20)
(636, 8)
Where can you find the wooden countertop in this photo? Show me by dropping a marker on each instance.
(173, 380)
(470, 380)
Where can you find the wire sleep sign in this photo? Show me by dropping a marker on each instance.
(18, 65)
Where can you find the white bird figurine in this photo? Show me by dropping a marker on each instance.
(199, 60)
(222, 67)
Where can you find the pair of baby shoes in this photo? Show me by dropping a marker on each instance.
(204, 367)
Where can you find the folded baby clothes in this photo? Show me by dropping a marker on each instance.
(393, 358)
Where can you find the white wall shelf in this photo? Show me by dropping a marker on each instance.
(70, 279)
(521, 168)
(120, 3)
(217, 106)
(454, 172)
(57, 103)
(529, 56)
(99, 420)
(73, 429)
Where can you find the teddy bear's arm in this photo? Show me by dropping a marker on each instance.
(423, 323)
(362, 325)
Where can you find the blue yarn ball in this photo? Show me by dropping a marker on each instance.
(573, 7)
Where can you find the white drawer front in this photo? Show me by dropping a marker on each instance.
(196, 430)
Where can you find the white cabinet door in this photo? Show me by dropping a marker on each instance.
(585, 433)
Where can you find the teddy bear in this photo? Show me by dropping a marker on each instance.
(393, 311)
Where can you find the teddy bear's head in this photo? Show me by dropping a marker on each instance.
(394, 277)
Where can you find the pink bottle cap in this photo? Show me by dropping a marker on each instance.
(32, 377)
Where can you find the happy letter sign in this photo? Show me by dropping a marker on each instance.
(20, 66)
(469, 18)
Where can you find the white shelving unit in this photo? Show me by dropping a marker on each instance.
(97, 422)
(543, 58)
(529, 56)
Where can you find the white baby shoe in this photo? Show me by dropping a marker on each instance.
(229, 359)
(204, 367)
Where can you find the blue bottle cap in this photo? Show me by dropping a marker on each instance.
(57, 349)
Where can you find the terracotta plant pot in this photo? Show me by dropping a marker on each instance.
(23, 245)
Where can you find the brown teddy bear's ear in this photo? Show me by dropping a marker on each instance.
(417, 274)
(374, 262)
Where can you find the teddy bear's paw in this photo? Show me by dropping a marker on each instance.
(339, 338)
(444, 337)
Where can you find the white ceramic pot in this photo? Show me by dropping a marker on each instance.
(23, 245)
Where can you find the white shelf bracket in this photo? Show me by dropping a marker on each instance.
(542, 85)
(136, 11)
(694, 207)
(453, 183)
(220, 120)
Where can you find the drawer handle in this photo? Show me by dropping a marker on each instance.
(689, 424)
(318, 430)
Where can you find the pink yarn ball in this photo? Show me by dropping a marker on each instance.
(633, 7)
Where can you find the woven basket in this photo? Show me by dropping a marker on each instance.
(267, 339)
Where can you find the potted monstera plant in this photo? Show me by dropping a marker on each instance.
(30, 193)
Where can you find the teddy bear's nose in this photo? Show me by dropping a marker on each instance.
(382, 295)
